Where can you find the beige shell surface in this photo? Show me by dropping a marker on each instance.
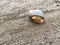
(37, 12)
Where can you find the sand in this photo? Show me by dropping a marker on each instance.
(17, 29)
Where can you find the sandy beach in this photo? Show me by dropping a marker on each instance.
(17, 29)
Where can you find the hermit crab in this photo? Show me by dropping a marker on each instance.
(36, 16)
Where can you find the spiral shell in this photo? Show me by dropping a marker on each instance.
(37, 16)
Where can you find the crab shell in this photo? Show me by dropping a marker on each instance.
(38, 14)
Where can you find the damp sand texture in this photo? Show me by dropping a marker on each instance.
(16, 28)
